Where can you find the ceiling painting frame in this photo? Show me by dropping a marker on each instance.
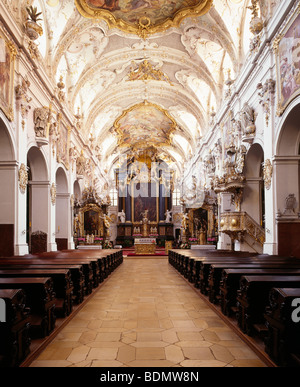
(144, 26)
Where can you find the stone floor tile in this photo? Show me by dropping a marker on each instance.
(78, 354)
(146, 315)
(102, 354)
(174, 353)
(150, 353)
(196, 353)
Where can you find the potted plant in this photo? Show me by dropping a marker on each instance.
(98, 240)
(32, 28)
(193, 241)
(81, 240)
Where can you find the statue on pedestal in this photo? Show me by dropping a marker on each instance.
(168, 216)
(106, 221)
(122, 216)
(77, 224)
(145, 222)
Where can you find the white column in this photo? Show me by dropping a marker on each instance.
(225, 205)
(270, 245)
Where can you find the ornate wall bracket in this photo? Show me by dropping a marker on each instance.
(267, 95)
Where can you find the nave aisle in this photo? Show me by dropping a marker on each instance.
(147, 315)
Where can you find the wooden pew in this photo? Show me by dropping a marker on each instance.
(206, 264)
(216, 272)
(92, 273)
(63, 262)
(14, 333)
(40, 298)
(230, 281)
(77, 276)
(110, 259)
(282, 342)
(252, 298)
(62, 285)
(187, 261)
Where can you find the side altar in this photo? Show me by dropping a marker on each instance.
(145, 245)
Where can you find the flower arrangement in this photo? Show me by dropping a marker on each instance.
(107, 245)
(81, 239)
(185, 245)
(211, 239)
(98, 240)
(153, 235)
(193, 239)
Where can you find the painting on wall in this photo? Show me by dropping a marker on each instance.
(7, 60)
(146, 201)
(287, 48)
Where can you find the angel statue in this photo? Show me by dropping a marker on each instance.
(106, 220)
(122, 216)
(145, 216)
(168, 216)
(184, 221)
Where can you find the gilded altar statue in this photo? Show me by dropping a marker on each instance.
(107, 220)
(145, 222)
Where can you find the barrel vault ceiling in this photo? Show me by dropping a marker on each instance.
(134, 86)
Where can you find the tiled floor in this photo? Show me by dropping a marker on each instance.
(146, 314)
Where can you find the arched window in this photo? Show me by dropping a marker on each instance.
(176, 197)
(113, 196)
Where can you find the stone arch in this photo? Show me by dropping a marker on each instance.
(253, 201)
(287, 182)
(38, 201)
(62, 210)
(9, 178)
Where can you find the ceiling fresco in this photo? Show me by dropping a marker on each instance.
(145, 125)
(149, 16)
(142, 71)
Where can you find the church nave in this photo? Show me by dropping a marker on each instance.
(146, 315)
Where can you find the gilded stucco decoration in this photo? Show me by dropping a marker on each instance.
(145, 71)
(267, 173)
(23, 178)
(267, 94)
(53, 193)
(142, 17)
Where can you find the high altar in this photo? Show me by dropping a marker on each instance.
(145, 200)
